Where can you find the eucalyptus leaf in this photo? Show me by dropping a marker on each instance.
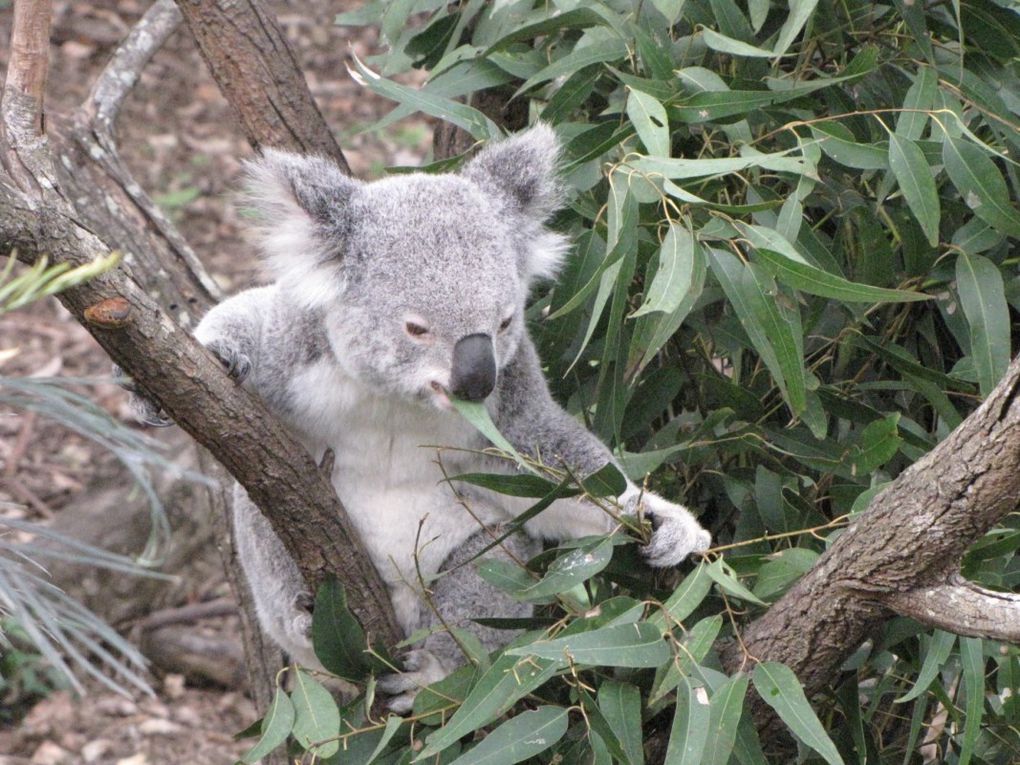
(650, 121)
(980, 184)
(316, 716)
(689, 732)
(781, 690)
(622, 645)
(276, 726)
(526, 735)
(917, 183)
(983, 297)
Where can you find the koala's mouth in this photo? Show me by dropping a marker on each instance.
(440, 396)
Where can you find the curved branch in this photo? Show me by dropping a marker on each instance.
(963, 608)
(125, 66)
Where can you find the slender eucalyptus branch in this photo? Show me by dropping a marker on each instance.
(963, 608)
(123, 70)
(22, 134)
(28, 65)
(192, 290)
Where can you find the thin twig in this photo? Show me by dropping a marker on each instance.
(192, 612)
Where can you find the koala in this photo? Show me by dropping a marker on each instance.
(389, 299)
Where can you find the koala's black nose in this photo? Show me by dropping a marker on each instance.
(474, 368)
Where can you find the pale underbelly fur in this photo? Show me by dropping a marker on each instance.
(387, 474)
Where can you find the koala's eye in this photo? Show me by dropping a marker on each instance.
(415, 330)
(506, 323)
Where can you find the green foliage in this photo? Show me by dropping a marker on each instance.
(794, 273)
(43, 279)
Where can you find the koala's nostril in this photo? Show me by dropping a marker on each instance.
(474, 368)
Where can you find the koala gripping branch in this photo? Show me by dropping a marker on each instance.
(38, 216)
(233, 425)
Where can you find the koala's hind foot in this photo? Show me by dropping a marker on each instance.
(458, 598)
(421, 668)
(234, 361)
(676, 534)
(143, 409)
(283, 604)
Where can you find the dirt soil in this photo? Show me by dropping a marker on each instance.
(180, 139)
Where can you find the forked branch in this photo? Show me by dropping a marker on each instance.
(903, 553)
(278, 474)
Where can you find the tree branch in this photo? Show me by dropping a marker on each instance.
(22, 137)
(129, 324)
(123, 70)
(910, 539)
(963, 608)
(255, 68)
(28, 65)
(125, 213)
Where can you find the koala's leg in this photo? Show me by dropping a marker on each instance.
(282, 602)
(536, 425)
(459, 597)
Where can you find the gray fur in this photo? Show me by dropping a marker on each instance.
(329, 347)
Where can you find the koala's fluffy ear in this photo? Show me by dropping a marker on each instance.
(302, 221)
(521, 172)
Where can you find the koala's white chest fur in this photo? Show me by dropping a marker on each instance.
(386, 469)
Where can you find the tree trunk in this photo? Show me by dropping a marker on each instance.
(53, 200)
(257, 73)
(902, 555)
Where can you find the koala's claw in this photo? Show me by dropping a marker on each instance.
(674, 542)
(422, 668)
(236, 364)
(675, 532)
(148, 413)
(143, 409)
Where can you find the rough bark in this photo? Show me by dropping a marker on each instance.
(450, 140)
(903, 553)
(258, 74)
(191, 386)
(39, 215)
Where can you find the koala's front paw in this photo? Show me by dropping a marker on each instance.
(421, 668)
(675, 532)
(237, 364)
(143, 409)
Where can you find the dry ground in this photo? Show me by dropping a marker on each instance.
(180, 139)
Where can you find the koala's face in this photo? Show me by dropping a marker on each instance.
(433, 299)
(421, 279)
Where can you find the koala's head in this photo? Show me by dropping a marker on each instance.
(420, 280)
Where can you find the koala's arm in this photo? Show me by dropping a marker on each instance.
(537, 426)
(233, 329)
